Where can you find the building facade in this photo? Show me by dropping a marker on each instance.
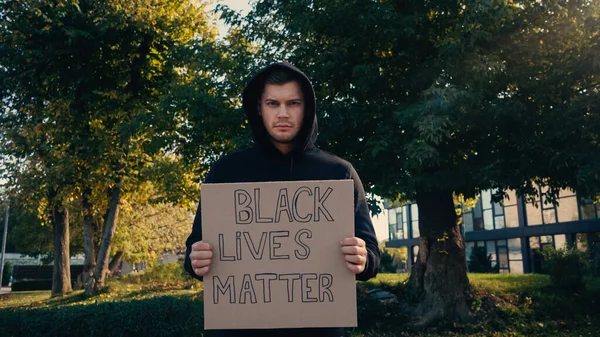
(512, 231)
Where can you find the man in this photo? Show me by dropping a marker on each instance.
(280, 106)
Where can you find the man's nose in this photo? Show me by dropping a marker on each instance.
(283, 111)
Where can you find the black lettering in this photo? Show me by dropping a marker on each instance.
(274, 245)
(219, 288)
(266, 286)
(297, 216)
(257, 254)
(247, 289)
(283, 205)
(325, 282)
(306, 249)
(222, 255)
(290, 284)
(243, 212)
(238, 245)
(319, 207)
(257, 208)
(306, 288)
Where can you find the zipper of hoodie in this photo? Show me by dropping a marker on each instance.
(291, 166)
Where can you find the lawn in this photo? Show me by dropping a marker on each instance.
(502, 305)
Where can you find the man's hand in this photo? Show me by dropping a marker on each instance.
(200, 257)
(355, 254)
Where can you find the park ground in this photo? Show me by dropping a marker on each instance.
(160, 304)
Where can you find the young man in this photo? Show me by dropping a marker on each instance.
(280, 106)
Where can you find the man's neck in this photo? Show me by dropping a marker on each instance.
(284, 148)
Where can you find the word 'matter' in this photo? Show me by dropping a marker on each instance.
(248, 207)
(245, 290)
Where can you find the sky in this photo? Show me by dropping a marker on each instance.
(379, 222)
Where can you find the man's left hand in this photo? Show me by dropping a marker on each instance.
(355, 254)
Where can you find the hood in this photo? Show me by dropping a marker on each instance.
(308, 133)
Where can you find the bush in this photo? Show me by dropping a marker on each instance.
(481, 261)
(165, 274)
(159, 316)
(6, 273)
(566, 267)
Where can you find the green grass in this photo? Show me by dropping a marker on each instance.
(502, 305)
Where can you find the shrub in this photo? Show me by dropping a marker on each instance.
(171, 274)
(566, 267)
(481, 261)
(6, 273)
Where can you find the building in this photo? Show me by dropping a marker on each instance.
(512, 230)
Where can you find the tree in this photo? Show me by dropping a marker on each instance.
(85, 80)
(441, 98)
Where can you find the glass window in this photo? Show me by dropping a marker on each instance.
(534, 242)
(499, 220)
(582, 241)
(503, 258)
(498, 209)
(546, 239)
(414, 216)
(399, 226)
(469, 249)
(514, 249)
(486, 199)
(491, 249)
(488, 220)
(549, 216)
(405, 214)
(468, 220)
(516, 267)
(560, 241)
(392, 216)
(587, 208)
(510, 198)
(511, 217)
(534, 215)
(568, 192)
(477, 212)
(567, 209)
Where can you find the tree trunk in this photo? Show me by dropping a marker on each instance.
(110, 224)
(61, 272)
(440, 272)
(114, 263)
(89, 248)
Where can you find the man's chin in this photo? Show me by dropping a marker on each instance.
(283, 140)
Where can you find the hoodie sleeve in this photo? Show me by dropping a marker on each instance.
(196, 234)
(363, 228)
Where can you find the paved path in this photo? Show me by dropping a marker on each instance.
(4, 290)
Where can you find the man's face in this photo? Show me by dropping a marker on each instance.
(282, 111)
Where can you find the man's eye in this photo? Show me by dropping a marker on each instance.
(272, 103)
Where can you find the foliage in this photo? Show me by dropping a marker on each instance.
(510, 305)
(168, 274)
(84, 105)
(567, 267)
(392, 259)
(446, 95)
(6, 273)
(481, 261)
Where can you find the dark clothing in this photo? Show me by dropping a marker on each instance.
(264, 162)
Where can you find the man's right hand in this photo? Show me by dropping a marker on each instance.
(201, 257)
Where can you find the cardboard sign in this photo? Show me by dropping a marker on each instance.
(277, 259)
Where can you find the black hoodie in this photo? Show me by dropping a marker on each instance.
(264, 162)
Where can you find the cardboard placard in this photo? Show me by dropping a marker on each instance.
(277, 259)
